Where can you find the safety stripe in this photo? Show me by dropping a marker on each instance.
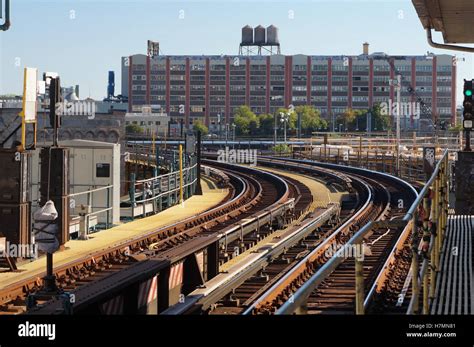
(147, 291)
(113, 306)
(200, 261)
(176, 275)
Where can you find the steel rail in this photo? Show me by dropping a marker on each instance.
(300, 296)
(216, 289)
(298, 269)
(24, 286)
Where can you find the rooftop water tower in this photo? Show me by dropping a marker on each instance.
(259, 40)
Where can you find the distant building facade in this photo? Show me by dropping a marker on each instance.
(208, 87)
(106, 125)
(150, 123)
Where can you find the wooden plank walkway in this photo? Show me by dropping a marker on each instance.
(454, 292)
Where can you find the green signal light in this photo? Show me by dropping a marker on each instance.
(468, 92)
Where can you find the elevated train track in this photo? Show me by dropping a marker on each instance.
(275, 273)
(269, 281)
(258, 200)
(334, 288)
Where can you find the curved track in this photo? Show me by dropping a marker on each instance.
(373, 198)
(250, 192)
(336, 293)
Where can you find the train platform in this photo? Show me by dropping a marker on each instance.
(454, 293)
(212, 196)
(322, 196)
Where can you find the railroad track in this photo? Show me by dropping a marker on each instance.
(334, 292)
(267, 289)
(299, 240)
(246, 197)
(246, 293)
(303, 199)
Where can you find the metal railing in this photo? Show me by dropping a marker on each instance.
(430, 213)
(411, 167)
(147, 194)
(89, 212)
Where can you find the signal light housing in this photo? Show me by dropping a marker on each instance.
(468, 105)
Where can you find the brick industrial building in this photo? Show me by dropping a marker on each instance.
(202, 87)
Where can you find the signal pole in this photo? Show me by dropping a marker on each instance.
(468, 113)
(398, 86)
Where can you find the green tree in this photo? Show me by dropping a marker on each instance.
(380, 119)
(310, 118)
(246, 121)
(360, 123)
(267, 123)
(457, 128)
(133, 129)
(199, 126)
(281, 148)
(349, 116)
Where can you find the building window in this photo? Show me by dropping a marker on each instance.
(320, 78)
(102, 170)
(443, 79)
(339, 88)
(424, 68)
(403, 67)
(363, 68)
(444, 68)
(339, 67)
(384, 67)
(320, 67)
(216, 67)
(299, 98)
(339, 78)
(360, 98)
(177, 78)
(319, 88)
(299, 68)
(299, 88)
(177, 67)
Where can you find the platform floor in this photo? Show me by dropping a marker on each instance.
(321, 197)
(211, 197)
(454, 292)
(321, 194)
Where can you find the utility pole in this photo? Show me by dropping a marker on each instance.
(275, 129)
(369, 122)
(399, 110)
(181, 200)
(226, 133)
(284, 119)
(299, 125)
(397, 83)
(198, 190)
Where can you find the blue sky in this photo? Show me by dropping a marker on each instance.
(84, 39)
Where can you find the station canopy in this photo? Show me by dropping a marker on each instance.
(453, 18)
